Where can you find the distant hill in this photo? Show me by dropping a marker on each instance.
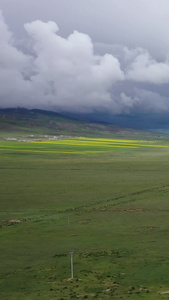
(18, 121)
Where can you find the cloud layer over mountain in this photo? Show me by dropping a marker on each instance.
(50, 71)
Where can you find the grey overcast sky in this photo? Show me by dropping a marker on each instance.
(104, 58)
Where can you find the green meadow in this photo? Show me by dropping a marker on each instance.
(105, 199)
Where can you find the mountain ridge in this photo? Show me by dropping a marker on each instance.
(38, 121)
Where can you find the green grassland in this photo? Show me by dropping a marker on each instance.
(107, 200)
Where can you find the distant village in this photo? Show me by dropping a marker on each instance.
(32, 138)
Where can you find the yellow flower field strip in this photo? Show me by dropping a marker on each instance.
(117, 140)
(17, 147)
(88, 140)
(106, 145)
(61, 151)
(66, 144)
(98, 143)
(39, 145)
(131, 142)
(101, 141)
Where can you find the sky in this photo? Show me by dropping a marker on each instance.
(108, 60)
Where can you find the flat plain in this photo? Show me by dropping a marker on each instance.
(106, 200)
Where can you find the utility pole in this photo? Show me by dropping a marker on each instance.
(71, 262)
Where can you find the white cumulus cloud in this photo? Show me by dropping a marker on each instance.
(145, 69)
(61, 74)
(65, 74)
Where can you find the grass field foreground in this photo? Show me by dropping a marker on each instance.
(109, 205)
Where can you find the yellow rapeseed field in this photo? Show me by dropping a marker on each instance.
(77, 146)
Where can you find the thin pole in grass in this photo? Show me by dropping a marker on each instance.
(71, 262)
(68, 221)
